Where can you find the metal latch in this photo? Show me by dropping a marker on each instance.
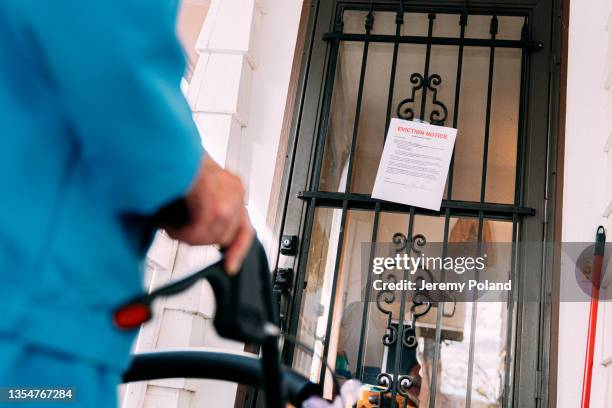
(288, 245)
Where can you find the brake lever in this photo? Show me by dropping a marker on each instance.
(244, 301)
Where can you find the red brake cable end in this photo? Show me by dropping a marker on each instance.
(131, 316)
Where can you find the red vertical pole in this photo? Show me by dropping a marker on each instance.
(592, 330)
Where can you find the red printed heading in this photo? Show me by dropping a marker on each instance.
(421, 132)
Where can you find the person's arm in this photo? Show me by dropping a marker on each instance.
(117, 67)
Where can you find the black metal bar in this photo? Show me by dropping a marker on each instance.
(522, 129)
(431, 17)
(483, 184)
(368, 292)
(327, 98)
(288, 349)
(364, 201)
(399, 20)
(485, 154)
(424, 7)
(316, 175)
(330, 312)
(402, 313)
(463, 19)
(439, 313)
(415, 39)
(518, 197)
(470, 376)
(510, 316)
(369, 23)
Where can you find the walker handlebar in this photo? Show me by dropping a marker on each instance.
(245, 313)
(212, 365)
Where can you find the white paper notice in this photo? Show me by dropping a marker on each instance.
(414, 164)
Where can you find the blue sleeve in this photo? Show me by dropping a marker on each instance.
(117, 67)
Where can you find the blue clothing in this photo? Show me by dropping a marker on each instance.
(91, 385)
(93, 128)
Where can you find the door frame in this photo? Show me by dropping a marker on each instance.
(542, 136)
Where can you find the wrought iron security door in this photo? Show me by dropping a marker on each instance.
(471, 67)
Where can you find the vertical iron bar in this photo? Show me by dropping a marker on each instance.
(324, 129)
(399, 20)
(369, 23)
(368, 291)
(463, 18)
(518, 198)
(510, 314)
(327, 101)
(493, 30)
(522, 129)
(470, 378)
(439, 312)
(431, 16)
(319, 154)
(402, 313)
(330, 312)
(288, 348)
(485, 154)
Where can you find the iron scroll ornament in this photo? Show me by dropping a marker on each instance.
(421, 304)
(439, 113)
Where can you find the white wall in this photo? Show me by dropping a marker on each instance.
(274, 41)
(587, 190)
(238, 93)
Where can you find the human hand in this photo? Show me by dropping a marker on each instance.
(217, 214)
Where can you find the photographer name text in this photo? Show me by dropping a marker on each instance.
(422, 285)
